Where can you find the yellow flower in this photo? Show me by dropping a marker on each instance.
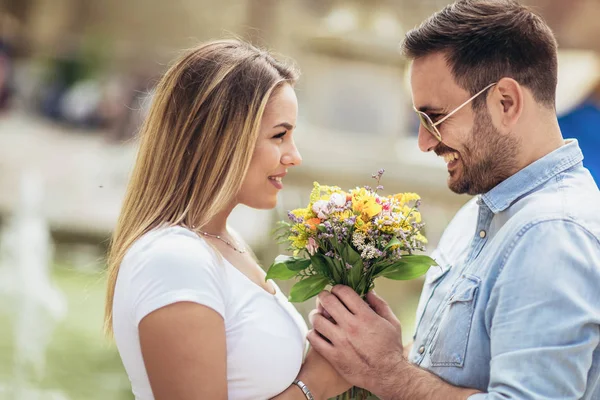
(342, 216)
(321, 192)
(361, 225)
(387, 229)
(300, 241)
(421, 238)
(371, 208)
(368, 208)
(365, 203)
(315, 194)
(417, 216)
(305, 213)
(332, 189)
(404, 198)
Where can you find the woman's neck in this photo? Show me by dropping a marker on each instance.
(218, 224)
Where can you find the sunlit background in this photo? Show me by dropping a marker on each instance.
(74, 76)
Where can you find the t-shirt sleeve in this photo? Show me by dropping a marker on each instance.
(175, 269)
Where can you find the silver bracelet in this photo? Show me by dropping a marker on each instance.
(304, 389)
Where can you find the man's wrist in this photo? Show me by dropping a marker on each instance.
(398, 376)
(412, 382)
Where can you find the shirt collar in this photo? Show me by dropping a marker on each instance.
(507, 192)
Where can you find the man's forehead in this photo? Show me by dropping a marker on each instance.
(431, 81)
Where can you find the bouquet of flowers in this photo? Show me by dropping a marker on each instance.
(351, 238)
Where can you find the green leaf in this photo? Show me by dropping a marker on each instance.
(307, 288)
(380, 266)
(408, 267)
(293, 263)
(337, 270)
(280, 271)
(352, 257)
(325, 266)
(393, 242)
(286, 267)
(319, 264)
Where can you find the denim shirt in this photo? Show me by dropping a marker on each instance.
(513, 309)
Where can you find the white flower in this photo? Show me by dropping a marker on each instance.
(369, 252)
(338, 200)
(321, 208)
(358, 240)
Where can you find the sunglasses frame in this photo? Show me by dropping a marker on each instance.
(432, 128)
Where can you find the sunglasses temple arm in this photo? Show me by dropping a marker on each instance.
(457, 109)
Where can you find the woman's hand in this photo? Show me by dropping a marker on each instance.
(319, 376)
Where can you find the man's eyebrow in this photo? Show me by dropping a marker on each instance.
(431, 110)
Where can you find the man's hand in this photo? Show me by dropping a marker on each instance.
(363, 343)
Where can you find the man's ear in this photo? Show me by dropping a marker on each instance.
(506, 103)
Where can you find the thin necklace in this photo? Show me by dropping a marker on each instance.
(227, 242)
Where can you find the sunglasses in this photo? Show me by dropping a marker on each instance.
(432, 126)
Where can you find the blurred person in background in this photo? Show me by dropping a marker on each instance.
(512, 310)
(6, 73)
(583, 124)
(191, 312)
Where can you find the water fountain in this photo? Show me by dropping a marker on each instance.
(34, 305)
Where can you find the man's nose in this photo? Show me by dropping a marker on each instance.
(427, 141)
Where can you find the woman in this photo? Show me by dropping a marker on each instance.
(192, 315)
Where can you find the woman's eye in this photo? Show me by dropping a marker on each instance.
(280, 135)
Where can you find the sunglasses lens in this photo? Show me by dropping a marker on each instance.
(428, 124)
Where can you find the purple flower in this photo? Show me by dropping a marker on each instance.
(381, 171)
(295, 219)
(379, 187)
(348, 266)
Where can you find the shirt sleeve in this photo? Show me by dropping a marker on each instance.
(176, 269)
(543, 314)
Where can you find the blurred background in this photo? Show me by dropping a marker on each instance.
(74, 79)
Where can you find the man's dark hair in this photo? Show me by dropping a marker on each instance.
(486, 40)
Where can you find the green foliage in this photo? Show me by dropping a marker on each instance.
(80, 361)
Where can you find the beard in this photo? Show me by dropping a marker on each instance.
(489, 159)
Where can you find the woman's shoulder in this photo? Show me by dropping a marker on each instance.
(174, 245)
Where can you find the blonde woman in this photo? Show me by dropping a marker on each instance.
(191, 313)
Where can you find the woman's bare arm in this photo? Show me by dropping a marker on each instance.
(184, 352)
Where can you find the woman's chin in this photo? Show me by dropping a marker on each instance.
(262, 204)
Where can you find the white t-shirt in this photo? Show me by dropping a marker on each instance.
(265, 335)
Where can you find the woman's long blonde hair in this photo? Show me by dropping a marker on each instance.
(196, 143)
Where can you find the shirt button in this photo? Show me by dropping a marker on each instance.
(421, 349)
(482, 234)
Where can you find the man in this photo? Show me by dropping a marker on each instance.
(513, 310)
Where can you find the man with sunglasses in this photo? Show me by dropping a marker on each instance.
(512, 310)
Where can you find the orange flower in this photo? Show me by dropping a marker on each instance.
(313, 222)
